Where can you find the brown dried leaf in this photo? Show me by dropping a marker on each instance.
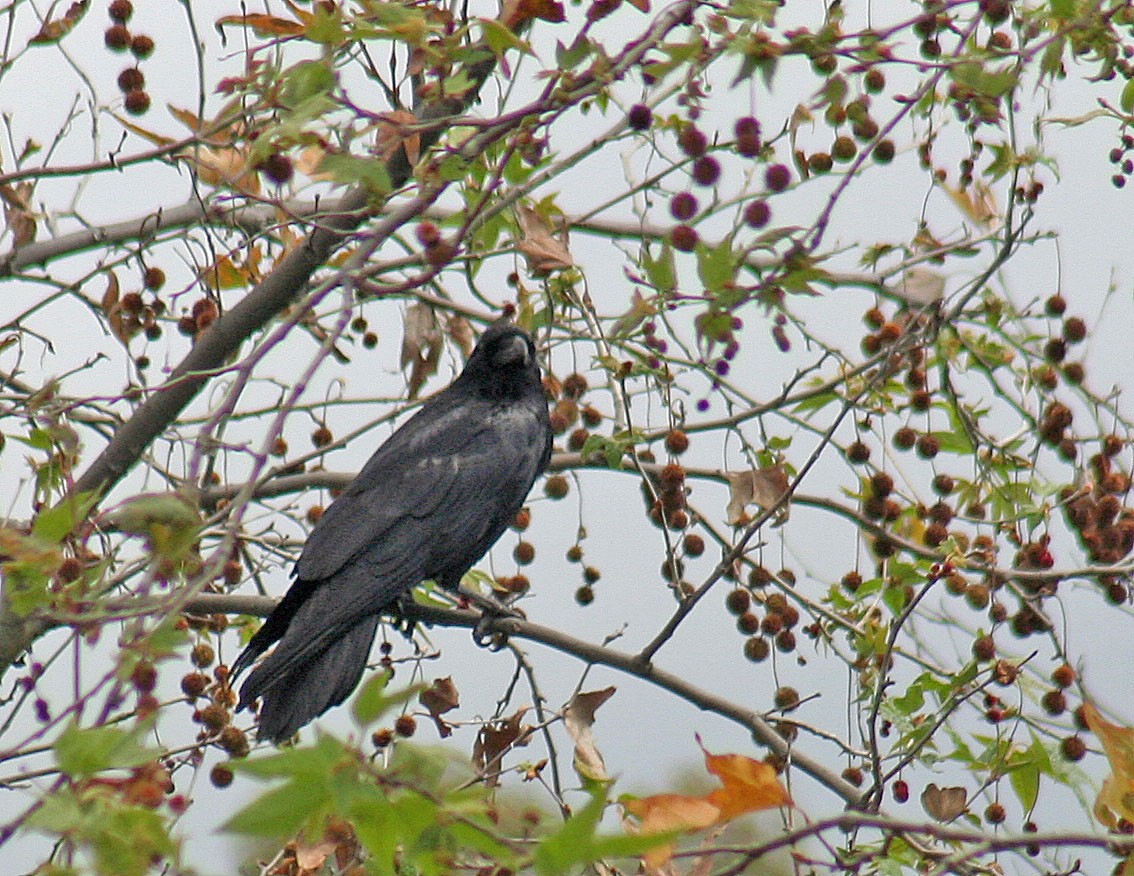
(460, 332)
(110, 296)
(310, 859)
(763, 487)
(579, 718)
(943, 804)
(54, 30)
(514, 14)
(223, 166)
(18, 215)
(544, 252)
(392, 135)
(494, 740)
(422, 344)
(441, 697)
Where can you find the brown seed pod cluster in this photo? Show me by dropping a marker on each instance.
(119, 38)
(669, 506)
(1099, 516)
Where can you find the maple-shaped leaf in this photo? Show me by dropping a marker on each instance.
(1115, 802)
(545, 252)
(763, 487)
(747, 785)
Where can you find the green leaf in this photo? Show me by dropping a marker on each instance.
(84, 752)
(281, 811)
(1127, 98)
(716, 266)
(572, 844)
(662, 271)
(372, 701)
(306, 80)
(52, 525)
(351, 169)
(1064, 9)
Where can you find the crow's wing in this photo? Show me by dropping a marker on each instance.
(440, 490)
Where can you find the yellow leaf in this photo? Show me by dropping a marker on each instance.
(978, 203)
(1115, 802)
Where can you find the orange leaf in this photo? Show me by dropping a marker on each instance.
(1116, 797)
(749, 785)
(668, 812)
(441, 697)
(265, 25)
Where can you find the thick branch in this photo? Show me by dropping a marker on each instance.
(753, 721)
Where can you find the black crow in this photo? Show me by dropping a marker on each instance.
(428, 504)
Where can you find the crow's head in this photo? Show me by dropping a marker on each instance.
(504, 362)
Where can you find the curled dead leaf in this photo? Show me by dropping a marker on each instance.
(422, 344)
(579, 718)
(440, 697)
(18, 214)
(764, 487)
(544, 252)
(943, 804)
(494, 740)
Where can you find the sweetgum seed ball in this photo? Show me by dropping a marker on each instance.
(738, 601)
(1055, 305)
(747, 136)
(757, 214)
(676, 442)
(884, 151)
(874, 80)
(141, 46)
(777, 177)
(221, 775)
(819, 162)
(683, 238)
(556, 487)
(405, 726)
(843, 149)
(693, 545)
(706, 170)
(137, 103)
(683, 206)
(278, 168)
(117, 38)
(692, 142)
(640, 118)
(120, 11)
(585, 595)
(756, 649)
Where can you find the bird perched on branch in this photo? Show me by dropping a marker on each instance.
(428, 504)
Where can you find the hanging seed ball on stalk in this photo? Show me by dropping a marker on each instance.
(640, 118)
(141, 46)
(747, 131)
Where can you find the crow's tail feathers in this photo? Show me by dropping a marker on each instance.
(296, 686)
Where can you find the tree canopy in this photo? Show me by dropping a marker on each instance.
(830, 301)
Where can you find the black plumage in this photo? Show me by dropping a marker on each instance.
(427, 505)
